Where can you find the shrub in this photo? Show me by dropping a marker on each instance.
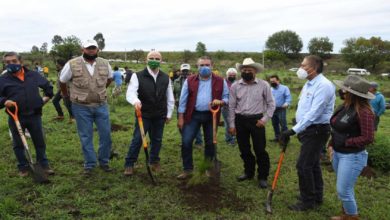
(379, 153)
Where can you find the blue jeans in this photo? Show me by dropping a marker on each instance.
(225, 114)
(279, 121)
(85, 117)
(155, 129)
(190, 130)
(33, 123)
(198, 138)
(348, 167)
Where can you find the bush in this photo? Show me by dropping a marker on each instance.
(379, 153)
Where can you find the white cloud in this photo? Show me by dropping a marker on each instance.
(177, 25)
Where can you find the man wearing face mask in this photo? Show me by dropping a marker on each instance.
(150, 90)
(231, 74)
(197, 93)
(21, 86)
(315, 108)
(88, 76)
(250, 107)
(282, 97)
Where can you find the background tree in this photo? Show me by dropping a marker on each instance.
(34, 49)
(286, 42)
(69, 48)
(43, 48)
(100, 40)
(187, 56)
(364, 53)
(136, 55)
(57, 39)
(320, 46)
(201, 49)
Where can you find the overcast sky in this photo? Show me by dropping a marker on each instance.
(167, 25)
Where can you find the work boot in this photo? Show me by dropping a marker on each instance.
(263, 184)
(184, 175)
(155, 167)
(345, 217)
(106, 168)
(300, 207)
(129, 171)
(23, 173)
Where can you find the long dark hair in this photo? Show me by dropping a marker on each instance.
(357, 102)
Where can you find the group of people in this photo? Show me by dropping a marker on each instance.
(247, 104)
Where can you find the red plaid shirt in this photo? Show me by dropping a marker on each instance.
(366, 122)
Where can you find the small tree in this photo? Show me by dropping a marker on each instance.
(69, 48)
(100, 40)
(34, 49)
(136, 55)
(320, 46)
(201, 49)
(43, 48)
(57, 39)
(286, 42)
(187, 56)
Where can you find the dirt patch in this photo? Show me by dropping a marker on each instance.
(211, 197)
(116, 127)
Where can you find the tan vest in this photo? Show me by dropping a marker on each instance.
(84, 88)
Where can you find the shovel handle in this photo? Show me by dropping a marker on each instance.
(214, 113)
(14, 114)
(141, 128)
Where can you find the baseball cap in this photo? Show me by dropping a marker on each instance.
(185, 66)
(90, 43)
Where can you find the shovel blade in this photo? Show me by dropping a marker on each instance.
(268, 203)
(38, 173)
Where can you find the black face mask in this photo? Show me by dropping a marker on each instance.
(341, 94)
(231, 78)
(274, 85)
(89, 57)
(247, 76)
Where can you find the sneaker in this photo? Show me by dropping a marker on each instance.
(300, 207)
(106, 168)
(129, 171)
(156, 167)
(263, 184)
(23, 173)
(185, 175)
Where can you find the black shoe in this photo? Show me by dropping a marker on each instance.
(106, 168)
(318, 202)
(244, 177)
(300, 207)
(263, 184)
(88, 171)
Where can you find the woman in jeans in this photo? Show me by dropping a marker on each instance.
(352, 130)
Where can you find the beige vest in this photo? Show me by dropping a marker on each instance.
(84, 88)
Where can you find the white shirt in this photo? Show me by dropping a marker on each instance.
(66, 72)
(132, 94)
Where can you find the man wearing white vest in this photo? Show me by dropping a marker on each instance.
(88, 77)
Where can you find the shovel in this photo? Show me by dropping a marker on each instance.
(268, 203)
(37, 171)
(144, 143)
(217, 164)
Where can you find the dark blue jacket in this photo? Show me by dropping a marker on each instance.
(25, 93)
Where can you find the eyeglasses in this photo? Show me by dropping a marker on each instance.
(204, 64)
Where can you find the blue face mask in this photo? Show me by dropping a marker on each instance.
(13, 68)
(204, 71)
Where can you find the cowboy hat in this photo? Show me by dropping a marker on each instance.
(248, 62)
(356, 85)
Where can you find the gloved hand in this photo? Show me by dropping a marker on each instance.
(284, 137)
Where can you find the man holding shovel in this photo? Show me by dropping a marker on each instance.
(20, 86)
(251, 105)
(197, 93)
(150, 91)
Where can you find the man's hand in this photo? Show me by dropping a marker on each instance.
(216, 102)
(232, 131)
(9, 104)
(138, 105)
(284, 137)
(45, 99)
(330, 153)
(285, 105)
(167, 120)
(260, 123)
(180, 121)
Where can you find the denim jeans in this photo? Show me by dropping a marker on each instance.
(225, 114)
(348, 167)
(198, 137)
(190, 130)
(85, 117)
(33, 123)
(155, 128)
(279, 122)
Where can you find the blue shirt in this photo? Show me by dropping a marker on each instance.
(378, 104)
(281, 95)
(117, 76)
(204, 96)
(316, 103)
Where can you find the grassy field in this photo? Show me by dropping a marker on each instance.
(71, 195)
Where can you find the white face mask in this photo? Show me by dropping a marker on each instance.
(302, 74)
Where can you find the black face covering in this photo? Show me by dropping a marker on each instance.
(247, 76)
(274, 85)
(89, 57)
(231, 78)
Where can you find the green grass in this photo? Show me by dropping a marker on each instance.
(112, 196)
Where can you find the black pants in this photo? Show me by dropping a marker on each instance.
(246, 128)
(311, 185)
(56, 102)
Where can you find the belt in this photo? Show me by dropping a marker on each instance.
(317, 126)
(249, 116)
